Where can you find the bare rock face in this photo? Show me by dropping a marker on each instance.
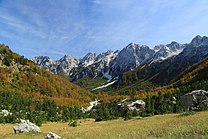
(63, 65)
(191, 100)
(163, 52)
(129, 58)
(26, 126)
(52, 135)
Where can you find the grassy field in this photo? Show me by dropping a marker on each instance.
(162, 126)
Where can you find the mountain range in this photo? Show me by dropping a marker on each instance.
(159, 65)
(166, 71)
(109, 65)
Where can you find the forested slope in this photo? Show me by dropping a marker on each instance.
(22, 76)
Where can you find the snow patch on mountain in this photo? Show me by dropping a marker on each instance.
(88, 59)
(104, 86)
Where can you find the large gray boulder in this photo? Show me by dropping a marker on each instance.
(191, 100)
(26, 126)
(52, 135)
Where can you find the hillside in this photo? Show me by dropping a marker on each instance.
(195, 73)
(192, 78)
(90, 83)
(21, 76)
(161, 126)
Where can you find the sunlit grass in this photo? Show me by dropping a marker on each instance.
(161, 126)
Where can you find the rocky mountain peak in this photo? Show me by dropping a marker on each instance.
(163, 52)
(109, 52)
(42, 61)
(105, 55)
(88, 59)
(132, 44)
(176, 47)
(197, 48)
(130, 47)
(199, 40)
(196, 39)
(130, 57)
(158, 47)
(66, 57)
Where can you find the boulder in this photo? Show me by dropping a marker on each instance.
(124, 101)
(128, 104)
(92, 104)
(26, 126)
(136, 105)
(191, 100)
(5, 113)
(52, 135)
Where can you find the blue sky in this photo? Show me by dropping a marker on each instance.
(76, 27)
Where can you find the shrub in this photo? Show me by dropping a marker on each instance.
(98, 119)
(128, 115)
(73, 124)
(187, 113)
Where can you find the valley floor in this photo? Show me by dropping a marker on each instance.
(160, 126)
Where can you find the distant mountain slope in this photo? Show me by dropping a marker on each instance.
(194, 73)
(166, 51)
(129, 58)
(163, 73)
(93, 65)
(22, 76)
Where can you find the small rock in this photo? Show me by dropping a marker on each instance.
(5, 113)
(52, 135)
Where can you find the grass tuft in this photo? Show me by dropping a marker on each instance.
(187, 113)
